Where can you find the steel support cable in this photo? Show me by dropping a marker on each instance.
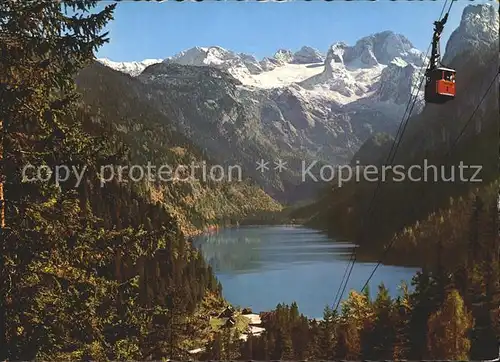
(455, 142)
(401, 130)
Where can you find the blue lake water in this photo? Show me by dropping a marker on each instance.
(261, 266)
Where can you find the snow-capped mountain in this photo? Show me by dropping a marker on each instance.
(132, 68)
(471, 50)
(397, 82)
(296, 106)
(283, 56)
(307, 55)
(293, 106)
(382, 48)
(346, 74)
(199, 56)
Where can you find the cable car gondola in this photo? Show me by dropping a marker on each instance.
(440, 85)
(439, 80)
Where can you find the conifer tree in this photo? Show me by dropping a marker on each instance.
(423, 303)
(401, 316)
(42, 48)
(327, 333)
(77, 255)
(348, 341)
(381, 334)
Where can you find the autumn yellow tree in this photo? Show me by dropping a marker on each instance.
(448, 329)
(357, 314)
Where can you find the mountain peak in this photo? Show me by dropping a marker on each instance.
(478, 28)
(307, 55)
(283, 55)
(133, 68)
(335, 54)
(382, 48)
(397, 82)
(238, 65)
(213, 55)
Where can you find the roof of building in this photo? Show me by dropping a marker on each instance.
(254, 318)
(256, 330)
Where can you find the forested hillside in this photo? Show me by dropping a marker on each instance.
(87, 271)
(449, 228)
(118, 102)
(94, 270)
(451, 311)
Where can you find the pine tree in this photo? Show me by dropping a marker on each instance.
(327, 334)
(485, 284)
(78, 256)
(492, 276)
(423, 301)
(348, 341)
(44, 254)
(401, 316)
(379, 340)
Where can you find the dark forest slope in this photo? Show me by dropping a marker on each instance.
(120, 102)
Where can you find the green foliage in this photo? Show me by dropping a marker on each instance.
(87, 272)
(451, 313)
(104, 273)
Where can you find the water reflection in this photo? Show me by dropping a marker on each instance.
(254, 249)
(262, 266)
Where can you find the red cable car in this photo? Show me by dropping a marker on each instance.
(440, 85)
(439, 80)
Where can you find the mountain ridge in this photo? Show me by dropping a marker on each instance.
(462, 131)
(385, 44)
(242, 110)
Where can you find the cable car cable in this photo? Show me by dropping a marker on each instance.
(391, 156)
(462, 131)
(440, 85)
(402, 128)
(446, 155)
(421, 76)
(397, 142)
(353, 253)
(343, 279)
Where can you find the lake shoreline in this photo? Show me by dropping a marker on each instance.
(365, 252)
(261, 266)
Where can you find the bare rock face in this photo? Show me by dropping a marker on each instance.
(307, 55)
(252, 64)
(397, 81)
(471, 51)
(335, 54)
(382, 48)
(478, 30)
(324, 118)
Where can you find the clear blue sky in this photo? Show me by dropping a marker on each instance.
(158, 30)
